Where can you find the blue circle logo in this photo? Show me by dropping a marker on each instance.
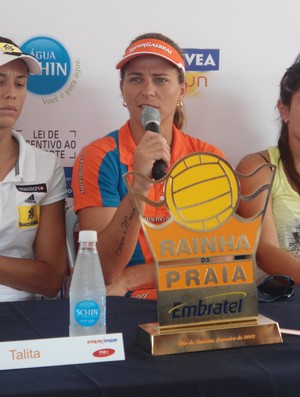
(55, 63)
(87, 313)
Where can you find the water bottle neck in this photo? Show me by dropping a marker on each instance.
(87, 247)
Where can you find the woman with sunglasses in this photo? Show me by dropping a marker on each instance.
(278, 250)
(32, 194)
(152, 74)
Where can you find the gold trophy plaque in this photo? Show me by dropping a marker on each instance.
(205, 260)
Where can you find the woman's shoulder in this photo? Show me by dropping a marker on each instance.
(42, 155)
(105, 143)
(253, 160)
(30, 152)
(197, 144)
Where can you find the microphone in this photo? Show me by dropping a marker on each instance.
(151, 121)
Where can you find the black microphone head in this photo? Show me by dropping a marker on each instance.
(150, 115)
(150, 119)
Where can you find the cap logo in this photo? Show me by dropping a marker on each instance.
(150, 44)
(6, 47)
(153, 47)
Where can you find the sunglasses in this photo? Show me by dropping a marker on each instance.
(275, 287)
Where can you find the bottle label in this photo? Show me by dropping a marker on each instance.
(87, 313)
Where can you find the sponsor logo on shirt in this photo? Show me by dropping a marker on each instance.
(39, 188)
(29, 216)
(31, 200)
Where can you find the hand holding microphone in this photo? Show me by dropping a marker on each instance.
(151, 122)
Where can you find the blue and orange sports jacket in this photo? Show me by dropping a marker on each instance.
(98, 176)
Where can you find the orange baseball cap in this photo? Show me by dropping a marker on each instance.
(152, 47)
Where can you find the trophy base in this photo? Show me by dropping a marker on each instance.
(200, 338)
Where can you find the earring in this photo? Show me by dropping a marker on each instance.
(179, 103)
(124, 103)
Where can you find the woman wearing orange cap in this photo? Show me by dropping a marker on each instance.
(32, 194)
(152, 75)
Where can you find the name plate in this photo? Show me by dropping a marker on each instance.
(61, 351)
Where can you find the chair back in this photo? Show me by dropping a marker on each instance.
(71, 222)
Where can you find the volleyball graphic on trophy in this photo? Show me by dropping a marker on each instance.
(202, 191)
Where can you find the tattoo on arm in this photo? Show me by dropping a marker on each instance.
(125, 224)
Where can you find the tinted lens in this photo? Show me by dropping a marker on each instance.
(277, 286)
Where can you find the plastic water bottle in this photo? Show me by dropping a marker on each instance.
(87, 290)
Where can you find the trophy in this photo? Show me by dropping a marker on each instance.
(204, 255)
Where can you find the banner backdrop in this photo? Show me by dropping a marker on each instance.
(235, 51)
